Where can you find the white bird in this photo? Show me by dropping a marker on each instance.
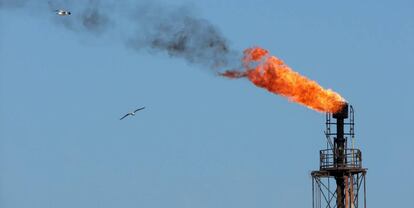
(132, 113)
(62, 12)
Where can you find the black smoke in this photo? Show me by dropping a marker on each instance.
(180, 33)
(174, 30)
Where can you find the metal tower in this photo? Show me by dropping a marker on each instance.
(340, 180)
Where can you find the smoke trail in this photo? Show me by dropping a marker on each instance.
(175, 31)
(179, 33)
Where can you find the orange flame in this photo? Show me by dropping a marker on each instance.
(272, 74)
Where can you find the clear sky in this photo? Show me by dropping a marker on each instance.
(203, 141)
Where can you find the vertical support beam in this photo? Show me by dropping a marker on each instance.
(340, 143)
(340, 188)
(346, 192)
(365, 191)
(351, 190)
(313, 192)
(357, 188)
(339, 155)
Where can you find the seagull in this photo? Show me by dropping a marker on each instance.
(62, 12)
(132, 113)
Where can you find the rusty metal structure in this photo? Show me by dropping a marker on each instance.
(341, 180)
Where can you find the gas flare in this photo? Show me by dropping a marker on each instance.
(273, 74)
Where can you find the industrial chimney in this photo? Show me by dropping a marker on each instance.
(339, 162)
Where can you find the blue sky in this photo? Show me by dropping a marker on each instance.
(202, 141)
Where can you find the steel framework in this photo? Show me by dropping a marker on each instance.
(340, 181)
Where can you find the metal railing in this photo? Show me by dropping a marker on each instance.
(328, 159)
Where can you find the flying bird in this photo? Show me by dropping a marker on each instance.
(62, 12)
(131, 113)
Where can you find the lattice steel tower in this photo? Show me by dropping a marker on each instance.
(340, 180)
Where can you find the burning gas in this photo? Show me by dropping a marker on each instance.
(271, 73)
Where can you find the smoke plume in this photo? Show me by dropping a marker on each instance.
(175, 31)
(181, 34)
